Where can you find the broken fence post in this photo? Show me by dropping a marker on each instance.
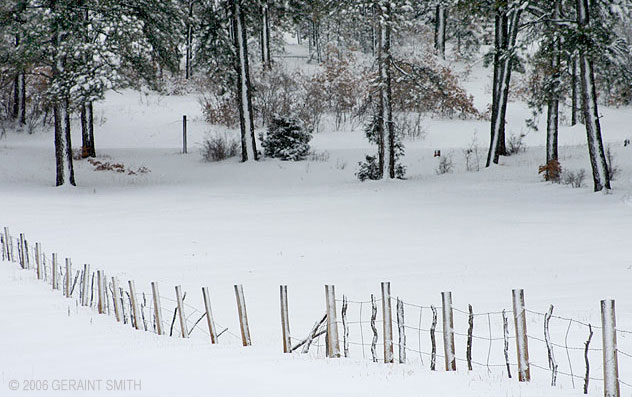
(184, 331)
(610, 361)
(209, 315)
(387, 322)
(333, 350)
(243, 315)
(401, 328)
(285, 321)
(448, 331)
(157, 308)
(520, 325)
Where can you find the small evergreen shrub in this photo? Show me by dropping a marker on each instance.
(370, 167)
(286, 139)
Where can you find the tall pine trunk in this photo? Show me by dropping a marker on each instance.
(553, 97)
(189, 43)
(63, 147)
(590, 110)
(265, 36)
(386, 137)
(244, 97)
(506, 36)
(440, 27)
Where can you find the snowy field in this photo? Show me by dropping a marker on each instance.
(306, 224)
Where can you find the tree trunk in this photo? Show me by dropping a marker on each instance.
(440, 26)
(590, 110)
(553, 100)
(507, 38)
(189, 44)
(244, 98)
(22, 98)
(265, 36)
(63, 147)
(85, 135)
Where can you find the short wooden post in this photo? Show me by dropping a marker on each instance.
(116, 298)
(27, 261)
(55, 271)
(448, 331)
(183, 318)
(134, 304)
(100, 292)
(209, 315)
(285, 321)
(401, 328)
(333, 349)
(520, 325)
(387, 322)
(157, 308)
(85, 285)
(68, 278)
(243, 315)
(184, 134)
(610, 361)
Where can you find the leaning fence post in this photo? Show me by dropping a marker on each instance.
(183, 319)
(6, 242)
(285, 321)
(157, 309)
(610, 361)
(387, 322)
(134, 304)
(116, 297)
(448, 331)
(209, 315)
(243, 315)
(333, 350)
(520, 324)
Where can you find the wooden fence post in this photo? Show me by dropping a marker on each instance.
(21, 251)
(401, 328)
(387, 322)
(68, 278)
(333, 349)
(157, 308)
(134, 304)
(116, 298)
(243, 315)
(38, 269)
(55, 271)
(27, 261)
(610, 361)
(184, 134)
(209, 315)
(85, 282)
(183, 318)
(522, 345)
(448, 331)
(101, 292)
(285, 321)
(6, 243)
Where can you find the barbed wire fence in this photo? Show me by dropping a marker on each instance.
(510, 343)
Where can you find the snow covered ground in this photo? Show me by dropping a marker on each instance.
(190, 223)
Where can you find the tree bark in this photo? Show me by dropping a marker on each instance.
(189, 44)
(590, 110)
(440, 27)
(244, 89)
(386, 133)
